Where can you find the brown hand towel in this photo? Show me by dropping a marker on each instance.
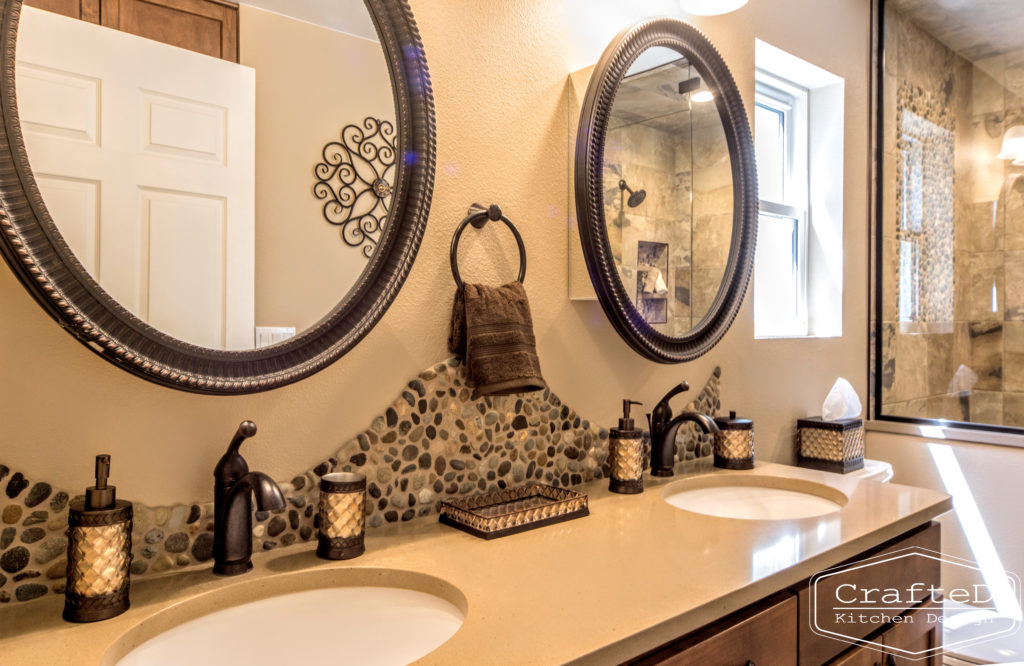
(493, 331)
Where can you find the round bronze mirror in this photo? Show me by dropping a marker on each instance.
(219, 198)
(666, 191)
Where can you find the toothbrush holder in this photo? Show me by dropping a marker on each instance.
(342, 517)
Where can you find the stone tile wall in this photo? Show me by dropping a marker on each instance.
(966, 271)
(436, 440)
(676, 151)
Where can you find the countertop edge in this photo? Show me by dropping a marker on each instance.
(738, 599)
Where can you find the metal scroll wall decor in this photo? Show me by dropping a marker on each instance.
(355, 181)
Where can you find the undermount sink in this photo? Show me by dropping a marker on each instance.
(754, 497)
(348, 623)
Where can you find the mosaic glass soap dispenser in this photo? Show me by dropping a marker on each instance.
(625, 455)
(99, 551)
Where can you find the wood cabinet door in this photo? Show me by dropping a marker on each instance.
(763, 634)
(922, 631)
(209, 27)
(860, 656)
(818, 649)
(205, 26)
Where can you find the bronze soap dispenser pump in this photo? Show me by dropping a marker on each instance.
(625, 454)
(99, 551)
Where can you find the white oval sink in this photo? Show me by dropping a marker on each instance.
(354, 624)
(754, 497)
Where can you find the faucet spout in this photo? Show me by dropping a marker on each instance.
(663, 440)
(232, 537)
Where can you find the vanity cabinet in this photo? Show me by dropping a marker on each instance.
(925, 632)
(777, 630)
(860, 656)
(209, 27)
(921, 632)
(763, 634)
(891, 573)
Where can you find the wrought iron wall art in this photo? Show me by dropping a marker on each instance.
(355, 181)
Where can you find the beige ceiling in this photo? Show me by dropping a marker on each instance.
(349, 16)
(977, 29)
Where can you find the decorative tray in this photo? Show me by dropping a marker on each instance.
(503, 512)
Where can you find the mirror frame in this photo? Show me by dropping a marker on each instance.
(589, 165)
(45, 265)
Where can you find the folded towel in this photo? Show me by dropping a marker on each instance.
(493, 331)
(654, 283)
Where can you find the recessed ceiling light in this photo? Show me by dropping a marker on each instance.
(710, 7)
(702, 96)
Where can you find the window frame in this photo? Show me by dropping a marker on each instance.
(790, 101)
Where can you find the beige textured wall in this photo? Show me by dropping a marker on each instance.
(499, 72)
(305, 78)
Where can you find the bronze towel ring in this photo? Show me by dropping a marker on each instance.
(478, 217)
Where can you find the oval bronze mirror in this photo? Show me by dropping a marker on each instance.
(666, 191)
(220, 198)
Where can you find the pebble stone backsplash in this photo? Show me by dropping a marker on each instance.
(436, 440)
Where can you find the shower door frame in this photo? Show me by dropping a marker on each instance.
(924, 427)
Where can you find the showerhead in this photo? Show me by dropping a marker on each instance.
(635, 198)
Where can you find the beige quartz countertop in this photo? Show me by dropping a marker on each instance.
(634, 574)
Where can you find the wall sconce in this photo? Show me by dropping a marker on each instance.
(692, 87)
(1013, 145)
(710, 7)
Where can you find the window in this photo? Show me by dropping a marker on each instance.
(780, 131)
(798, 141)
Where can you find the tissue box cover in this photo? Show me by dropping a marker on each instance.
(833, 446)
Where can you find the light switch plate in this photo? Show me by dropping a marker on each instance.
(271, 335)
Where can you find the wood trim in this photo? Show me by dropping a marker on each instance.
(85, 10)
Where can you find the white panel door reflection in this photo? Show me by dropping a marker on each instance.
(145, 156)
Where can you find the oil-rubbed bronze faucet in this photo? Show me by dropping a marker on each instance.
(664, 428)
(234, 486)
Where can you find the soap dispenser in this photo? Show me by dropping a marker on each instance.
(625, 454)
(99, 551)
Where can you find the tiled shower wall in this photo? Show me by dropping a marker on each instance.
(681, 159)
(658, 162)
(952, 233)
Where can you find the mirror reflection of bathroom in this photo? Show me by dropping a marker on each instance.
(668, 191)
(953, 230)
(225, 180)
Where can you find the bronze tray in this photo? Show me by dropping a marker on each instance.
(512, 510)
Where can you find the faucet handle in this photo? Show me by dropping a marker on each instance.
(232, 465)
(676, 390)
(246, 429)
(662, 412)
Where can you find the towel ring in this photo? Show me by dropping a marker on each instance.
(478, 217)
